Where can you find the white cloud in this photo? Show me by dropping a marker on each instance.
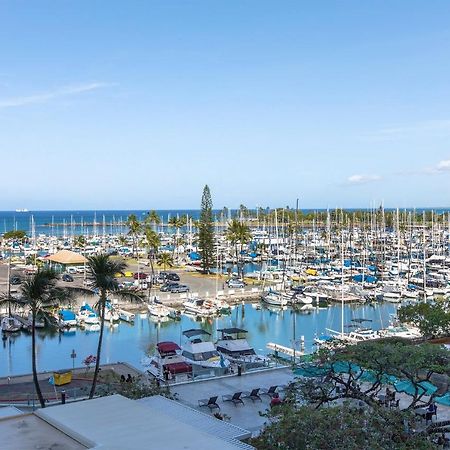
(440, 167)
(50, 95)
(362, 179)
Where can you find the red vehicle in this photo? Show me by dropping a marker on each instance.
(140, 276)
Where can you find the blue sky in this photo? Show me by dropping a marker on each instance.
(107, 104)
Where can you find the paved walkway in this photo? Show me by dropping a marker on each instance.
(246, 416)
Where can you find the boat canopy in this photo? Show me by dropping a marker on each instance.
(232, 330)
(66, 314)
(167, 347)
(195, 332)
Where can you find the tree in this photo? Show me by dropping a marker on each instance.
(341, 427)
(153, 242)
(153, 218)
(360, 371)
(15, 234)
(40, 294)
(165, 260)
(432, 320)
(101, 272)
(238, 233)
(206, 231)
(134, 227)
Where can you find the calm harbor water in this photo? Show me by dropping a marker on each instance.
(129, 343)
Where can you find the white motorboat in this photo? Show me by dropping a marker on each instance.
(67, 318)
(10, 325)
(87, 315)
(158, 310)
(111, 315)
(237, 350)
(202, 355)
(127, 316)
(167, 363)
(199, 307)
(274, 298)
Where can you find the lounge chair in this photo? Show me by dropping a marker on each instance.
(211, 403)
(253, 395)
(270, 392)
(235, 398)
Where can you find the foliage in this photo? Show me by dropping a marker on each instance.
(238, 233)
(14, 234)
(369, 365)
(432, 320)
(340, 427)
(165, 260)
(134, 227)
(206, 231)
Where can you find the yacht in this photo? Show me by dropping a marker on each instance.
(234, 347)
(10, 325)
(274, 298)
(199, 307)
(158, 310)
(87, 315)
(202, 355)
(167, 361)
(67, 318)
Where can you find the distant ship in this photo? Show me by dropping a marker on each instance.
(22, 210)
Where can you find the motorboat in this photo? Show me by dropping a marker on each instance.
(199, 307)
(87, 315)
(67, 318)
(274, 298)
(111, 315)
(126, 316)
(10, 324)
(167, 363)
(234, 347)
(202, 355)
(158, 310)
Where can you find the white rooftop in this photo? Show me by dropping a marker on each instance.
(116, 422)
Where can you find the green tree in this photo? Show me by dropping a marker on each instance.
(40, 295)
(432, 320)
(16, 234)
(134, 228)
(153, 243)
(206, 231)
(165, 260)
(294, 427)
(101, 272)
(239, 233)
(153, 218)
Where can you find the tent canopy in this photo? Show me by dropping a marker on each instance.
(67, 257)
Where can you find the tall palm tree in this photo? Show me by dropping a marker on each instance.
(40, 295)
(153, 243)
(165, 260)
(101, 271)
(239, 233)
(134, 228)
(153, 219)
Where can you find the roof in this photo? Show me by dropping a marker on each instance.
(115, 422)
(195, 332)
(67, 257)
(232, 330)
(165, 347)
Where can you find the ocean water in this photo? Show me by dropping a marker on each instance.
(70, 223)
(125, 342)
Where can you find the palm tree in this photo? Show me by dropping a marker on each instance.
(101, 276)
(134, 227)
(40, 295)
(153, 218)
(239, 233)
(165, 260)
(153, 242)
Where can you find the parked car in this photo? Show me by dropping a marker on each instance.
(168, 287)
(178, 288)
(66, 277)
(15, 280)
(140, 276)
(169, 276)
(235, 283)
